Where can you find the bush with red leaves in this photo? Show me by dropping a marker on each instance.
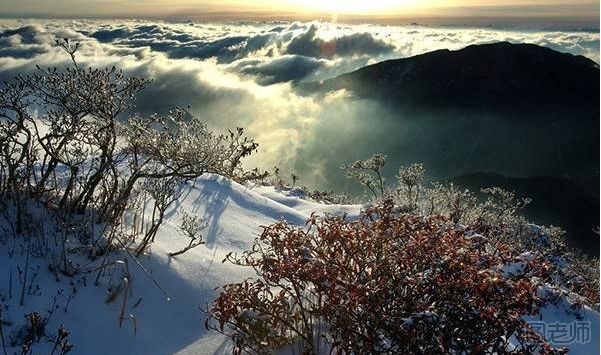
(384, 283)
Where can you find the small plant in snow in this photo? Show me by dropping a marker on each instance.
(61, 342)
(164, 192)
(32, 333)
(409, 182)
(276, 179)
(190, 227)
(368, 173)
(294, 178)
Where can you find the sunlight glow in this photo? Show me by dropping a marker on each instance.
(354, 6)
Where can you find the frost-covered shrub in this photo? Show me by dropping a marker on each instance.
(83, 175)
(69, 139)
(384, 283)
(368, 173)
(330, 197)
(496, 214)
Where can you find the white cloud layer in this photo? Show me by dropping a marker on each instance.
(242, 74)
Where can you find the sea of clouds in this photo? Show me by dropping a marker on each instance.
(244, 73)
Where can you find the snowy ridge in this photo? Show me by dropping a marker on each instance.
(173, 323)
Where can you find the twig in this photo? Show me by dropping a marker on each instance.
(2, 334)
(124, 304)
(143, 269)
(22, 298)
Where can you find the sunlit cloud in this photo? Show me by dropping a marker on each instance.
(244, 74)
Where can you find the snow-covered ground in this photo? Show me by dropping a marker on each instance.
(174, 323)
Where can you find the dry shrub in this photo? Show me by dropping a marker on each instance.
(383, 283)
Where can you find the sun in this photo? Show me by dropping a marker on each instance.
(353, 6)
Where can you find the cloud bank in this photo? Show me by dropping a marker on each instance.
(243, 74)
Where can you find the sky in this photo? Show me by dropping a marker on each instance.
(349, 10)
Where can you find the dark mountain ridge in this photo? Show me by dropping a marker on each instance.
(500, 76)
(510, 109)
(522, 108)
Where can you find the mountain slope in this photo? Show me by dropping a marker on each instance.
(499, 75)
(512, 109)
(171, 323)
(555, 200)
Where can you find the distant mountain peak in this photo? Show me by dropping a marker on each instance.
(494, 75)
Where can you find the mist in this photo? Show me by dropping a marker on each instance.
(244, 74)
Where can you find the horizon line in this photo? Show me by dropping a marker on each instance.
(591, 22)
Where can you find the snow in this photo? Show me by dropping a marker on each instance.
(173, 323)
(518, 266)
(291, 199)
(563, 314)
